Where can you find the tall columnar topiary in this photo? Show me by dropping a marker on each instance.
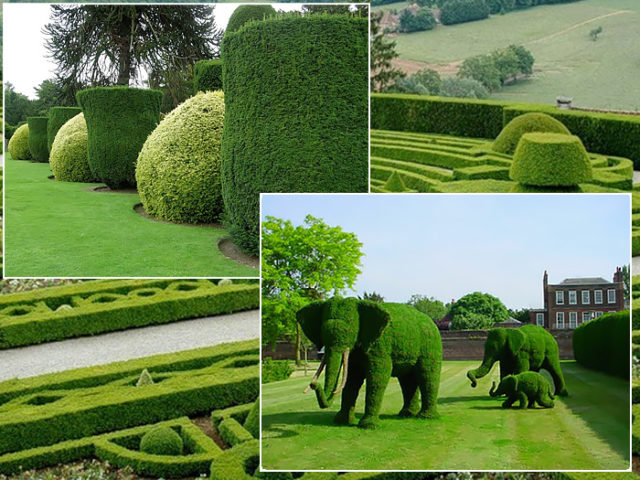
(38, 138)
(207, 75)
(296, 113)
(19, 143)
(550, 160)
(58, 116)
(119, 120)
(507, 140)
(162, 440)
(68, 157)
(246, 13)
(178, 170)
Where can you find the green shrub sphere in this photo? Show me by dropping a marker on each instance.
(38, 138)
(68, 157)
(58, 116)
(161, 441)
(508, 139)
(19, 143)
(178, 170)
(550, 159)
(246, 13)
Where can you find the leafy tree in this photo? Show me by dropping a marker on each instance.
(112, 44)
(373, 296)
(462, 87)
(483, 69)
(423, 82)
(626, 279)
(430, 306)
(521, 315)
(477, 311)
(416, 21)
(525, 59)
(175, 84)
(17, 107)
(301, 264)
(382, 52)
(359, 10)
(507, 63)
(430, 79)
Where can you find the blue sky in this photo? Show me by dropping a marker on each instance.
(446, 246)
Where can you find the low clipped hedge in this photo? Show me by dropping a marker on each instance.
(275, 370)
(119, 120)
(19, 143)
(207, 75)
(306, 134)
(35, 322)
(246, 13)
(604, 344)
(232, 432)
(38, 138)
(460, 11)
(68, 157)
(58, 116)
(508, 139)
(178, 169)
(252, 422)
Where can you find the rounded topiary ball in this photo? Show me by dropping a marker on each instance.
(19, 144)
(550, 160)
(161, 441)
(245, 13)
(510, 135)
(68, 156)
(178, 169)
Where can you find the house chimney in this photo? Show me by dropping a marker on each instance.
(617, 277)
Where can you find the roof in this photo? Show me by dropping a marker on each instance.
(585, 281)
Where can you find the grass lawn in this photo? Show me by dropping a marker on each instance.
(60, 229)
(587, 430)
(596, 74)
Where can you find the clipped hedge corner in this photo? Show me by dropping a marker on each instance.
(38, 138)
(19, 144)
(68, 157)
(510, 135)
(207, 75)
(58, 116)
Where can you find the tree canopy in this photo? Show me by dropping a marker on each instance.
(430, 306)
(477, 311)
(382, 52)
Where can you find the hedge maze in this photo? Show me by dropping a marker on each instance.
(95, 307)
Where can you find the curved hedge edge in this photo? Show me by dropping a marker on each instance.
(233, 432)
(58, 116)
(231, 464)
(239, 413)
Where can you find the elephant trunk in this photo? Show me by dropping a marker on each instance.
(480, 372)
(493, 392)
(333, 362)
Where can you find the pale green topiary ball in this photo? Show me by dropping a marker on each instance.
(178, 169)
(19, 144)
(68, 157)
(161, 441)
(508, 139)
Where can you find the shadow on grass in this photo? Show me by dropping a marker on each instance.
(465, 399)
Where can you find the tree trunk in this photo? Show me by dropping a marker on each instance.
(298, 344)
(124, 63)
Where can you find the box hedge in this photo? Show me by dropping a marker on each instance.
(178, 169)
(296, 96)
(58, 116)
(275, 370)
(119, 120)
(604, 344)
(508, 139)
(68, 157)
(247, 13)
(232, 432)
(207, 76)
(38, 138)
(459, 11)
(19, 144)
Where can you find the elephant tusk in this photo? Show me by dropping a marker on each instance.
(315, 377)
(345, 365)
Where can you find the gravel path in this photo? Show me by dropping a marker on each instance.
(128, 344)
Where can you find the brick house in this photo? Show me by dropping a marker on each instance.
(577, 300)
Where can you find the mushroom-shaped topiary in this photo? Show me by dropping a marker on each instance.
(19, 143)
(550, 160)
(510, 135)
(161, 441)
(68, 156)
(178, 170)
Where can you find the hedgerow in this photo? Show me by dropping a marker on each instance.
(58, 116)
(246, 13)
(604, 344)
(459, 11)
(306, 76)
(207, 75)
(38, 138)
(35, 322)
(19, 144)
(68, 157)
(252, 422)
(275, 370)
(119, 119)
(508, 139)
(178, 169)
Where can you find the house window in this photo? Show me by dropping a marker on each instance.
(573, 319)
(559, 319)
(586, 316)
(598, 314)
(573, 297)
(611, 295)
(559, 298)
(597, 296)
(585, 297)
(540, 319)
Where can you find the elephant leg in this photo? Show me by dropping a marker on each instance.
(552, 365)
(378, 375)
(545, 400)
(347, 413)
(532, 403)
(409, 387)
(509, 401)
(524, 401)
(429, 384)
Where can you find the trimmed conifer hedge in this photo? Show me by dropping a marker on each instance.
(207, 75)
(38, 138)
(247, 13)
(58, 116)
(296, 97)
(119, 120)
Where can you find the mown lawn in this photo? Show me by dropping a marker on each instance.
(61, 229)
(587, 430)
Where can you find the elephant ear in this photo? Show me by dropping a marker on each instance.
(515, 340)
(373, 320)
(515, 382)
(310, 320)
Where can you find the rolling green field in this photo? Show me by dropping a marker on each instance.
(587, 430)
(61, 229)
(597, 74)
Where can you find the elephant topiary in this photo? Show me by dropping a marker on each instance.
(528, 348)
(527, 387)
(374, 341)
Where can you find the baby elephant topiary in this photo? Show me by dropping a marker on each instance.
(19, 144)
(161, 441)
(508, 139)
(528, 387)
